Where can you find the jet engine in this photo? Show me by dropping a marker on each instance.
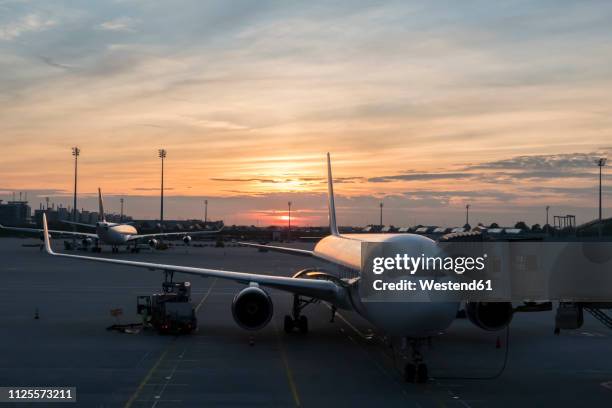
(153, 243)
(490, 316)
(252, 308)
(187, 239)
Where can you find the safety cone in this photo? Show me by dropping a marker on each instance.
(498, 343)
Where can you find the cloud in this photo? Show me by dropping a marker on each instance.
(246, 180)
(448, 195)
(537, 167)
(565, 162)
(421, 176)
(124, 24)
(33, 192)
(27, 24)
(52, 63)
(589, 191)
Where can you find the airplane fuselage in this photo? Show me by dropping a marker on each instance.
(115, 234)
(419, 317)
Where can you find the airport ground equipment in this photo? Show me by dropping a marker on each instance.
(570, 315)
(170, 311)
(596, 310)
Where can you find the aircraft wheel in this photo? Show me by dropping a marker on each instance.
(288, 324)
(410, 373)
(421, 373)
(303, 324)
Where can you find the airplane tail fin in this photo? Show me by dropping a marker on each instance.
(46, 235)
(101, 216)
(333, 227)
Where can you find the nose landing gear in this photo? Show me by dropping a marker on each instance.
(416, 370)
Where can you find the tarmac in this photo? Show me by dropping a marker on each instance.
(336, 364)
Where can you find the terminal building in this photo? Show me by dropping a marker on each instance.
(15, 212)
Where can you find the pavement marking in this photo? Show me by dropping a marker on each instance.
(458, 399)
(206, 295)
(168, 378)
(290, 379)
(366, 353)
(356, 330)
(148, 376)
(365, 337)
(170, 346)
(607, 385)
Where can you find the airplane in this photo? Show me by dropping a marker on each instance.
(413, 322)
(114, 234)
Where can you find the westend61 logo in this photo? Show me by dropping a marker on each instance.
(411, 264)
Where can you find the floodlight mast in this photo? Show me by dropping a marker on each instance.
(601, 162)
(162, 156)
(75, 152)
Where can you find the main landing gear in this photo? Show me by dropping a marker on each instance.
(416, 370)
(297, 320)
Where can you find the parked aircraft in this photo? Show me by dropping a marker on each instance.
(115, 234)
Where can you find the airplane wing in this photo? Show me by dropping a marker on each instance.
(174, 234)
(81, 224)
(284, 250)
(57, 232)
(317, 288)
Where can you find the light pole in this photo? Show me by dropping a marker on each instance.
(547, 208)
(75, 152)
(121, 217)
(289, 220)
(205, 212)
(601, 163)
(162, 156)
(381, 209)
(467, 214)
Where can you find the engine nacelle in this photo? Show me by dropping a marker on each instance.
(187, 239)
(153, 243)
(490, 316)
(252, 308)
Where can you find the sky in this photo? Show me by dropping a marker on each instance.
(425, 106)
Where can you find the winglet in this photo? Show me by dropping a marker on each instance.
(46, 235)
(333, 227)
(101, 216)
